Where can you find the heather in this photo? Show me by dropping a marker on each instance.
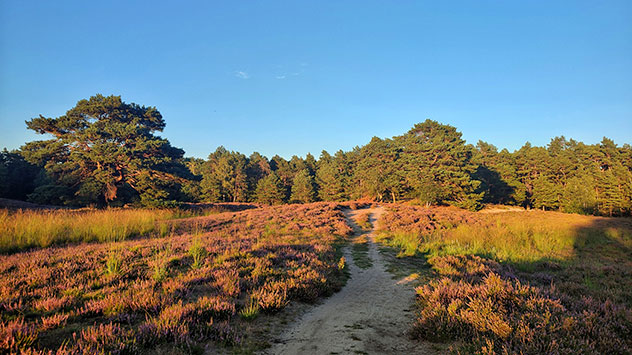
(518, 282)
(193, 287)
(493, 312)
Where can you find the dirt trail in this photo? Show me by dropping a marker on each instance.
(370, 315)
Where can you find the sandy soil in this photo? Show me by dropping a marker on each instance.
(370, 315)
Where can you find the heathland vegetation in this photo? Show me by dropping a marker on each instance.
(201, 284)
(105, 152)
(23, 228)
(518, 282)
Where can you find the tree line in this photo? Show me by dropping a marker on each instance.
(104, 152)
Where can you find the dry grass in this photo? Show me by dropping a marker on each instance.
(516, 237)
(181, 290)
(22, 229)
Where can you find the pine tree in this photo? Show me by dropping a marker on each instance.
(270, 190)
(104, 149)
(303, 189)
(432, 151)
(258, 167)
(224, 177)
(330, 177)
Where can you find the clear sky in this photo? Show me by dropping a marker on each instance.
(294, 77)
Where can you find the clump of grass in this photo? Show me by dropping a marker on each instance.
(160, 267)
(16, 335)
(113, 264)
(407, 243)
(363, 219)
(250, 311)
(198, 253)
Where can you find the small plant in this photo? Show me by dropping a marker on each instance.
(16, 335)
(160, 268)
(342, 263)
(197, 252)
(251, 311)
(113, 264)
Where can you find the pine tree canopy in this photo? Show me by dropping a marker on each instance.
(103, 147)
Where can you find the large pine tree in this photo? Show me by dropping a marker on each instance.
(104, 150)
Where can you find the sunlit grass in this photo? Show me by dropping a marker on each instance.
(29, 228)
(360, 252)
(518, 237)
(363, 220)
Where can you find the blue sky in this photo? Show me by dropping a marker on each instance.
(294, 77)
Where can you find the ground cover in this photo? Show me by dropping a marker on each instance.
(186, 291)
(518, 282)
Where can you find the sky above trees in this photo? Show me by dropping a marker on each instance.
(296, 77)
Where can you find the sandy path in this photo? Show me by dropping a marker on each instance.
(368, 316)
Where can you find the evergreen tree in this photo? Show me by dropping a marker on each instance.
(310, 164)
(104, 150)
(18, 178)
(579, 195)
(284, 172)
(497, 175)
(432, 151)
(191, 188)
(373, 176)
(270, 190)
(258, 167)
(224, 177)
(303, 188)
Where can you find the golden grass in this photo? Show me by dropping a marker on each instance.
(518, 237)
(363, 220)
(24, 229)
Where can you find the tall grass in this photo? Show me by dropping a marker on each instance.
(517, 237)
(25, 229)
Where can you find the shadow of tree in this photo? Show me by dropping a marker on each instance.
(496, 190)
(601, 266)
